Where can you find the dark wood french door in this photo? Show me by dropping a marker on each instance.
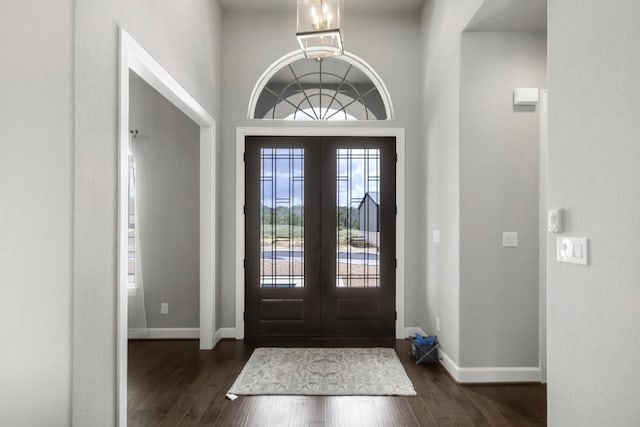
(320, 237)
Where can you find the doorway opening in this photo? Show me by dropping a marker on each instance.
(133, 58)
(396, 135)
(163, 227)
(320, 222)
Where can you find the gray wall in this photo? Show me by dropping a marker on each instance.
(167, 152)
(593, 315)
(483, 176)
(442, 23)
(36, 172)
(499, 181)
(388, 42)
(184, 37)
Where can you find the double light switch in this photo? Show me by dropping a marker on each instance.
(573, 250)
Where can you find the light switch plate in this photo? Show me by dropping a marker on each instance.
(573, 250)
(510, 239)
(436, 236)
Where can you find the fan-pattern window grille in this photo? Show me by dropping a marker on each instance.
(331, 89)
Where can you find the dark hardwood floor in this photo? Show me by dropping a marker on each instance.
(173, 383)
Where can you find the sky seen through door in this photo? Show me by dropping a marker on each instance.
(284, 163)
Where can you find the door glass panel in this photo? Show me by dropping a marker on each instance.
(358, 225)
(282, 218)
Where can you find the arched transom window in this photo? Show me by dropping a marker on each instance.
(337, 88)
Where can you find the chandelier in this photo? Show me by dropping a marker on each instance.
(319, 32)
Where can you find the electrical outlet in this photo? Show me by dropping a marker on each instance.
(164, 308)
(437, 324)
(510, 239)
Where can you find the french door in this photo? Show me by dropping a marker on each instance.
(320, 236)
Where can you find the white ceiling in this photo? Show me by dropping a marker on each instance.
(510, 15)
(357, 5)
(493, 15)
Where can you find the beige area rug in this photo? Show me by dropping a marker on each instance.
(323, 372)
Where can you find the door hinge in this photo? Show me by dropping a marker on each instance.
(396, 157)
(244, 157)
(244, 209)
(396, 262)
(396, 209)
(244, 315)
(244, 263)
(396, 315)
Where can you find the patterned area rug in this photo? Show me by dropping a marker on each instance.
(323, 372)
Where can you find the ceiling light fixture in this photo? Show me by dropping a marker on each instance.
(319, 28)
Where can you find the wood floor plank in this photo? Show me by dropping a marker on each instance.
(420, 412)
(422, 376)
(369, 412)
(174, 383)
(300, 411)
(238, 413)
(234, 363)
(486, 406)
(431, 399)
(466, 405)
(211, 388)
(317, 410)
(219, 402)
(185, 402)
(342, 411)
(403, 411)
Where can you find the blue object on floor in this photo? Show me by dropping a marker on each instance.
(424, 349)
(428, 340)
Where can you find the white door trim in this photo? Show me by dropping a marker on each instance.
(544, 172)
(133, 57)
(242, 132)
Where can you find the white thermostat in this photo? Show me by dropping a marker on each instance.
(554, 221)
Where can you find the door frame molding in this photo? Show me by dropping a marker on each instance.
(544, 184)
(244, 131)
(133, 57)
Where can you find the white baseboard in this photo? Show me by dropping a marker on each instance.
(165, 333)
(224, 333)
(481, 375)
(489, 374)
(449, 365)
(500, 375)
(138, 333)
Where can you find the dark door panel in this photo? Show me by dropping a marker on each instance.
(281, 237)
(358, 262)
